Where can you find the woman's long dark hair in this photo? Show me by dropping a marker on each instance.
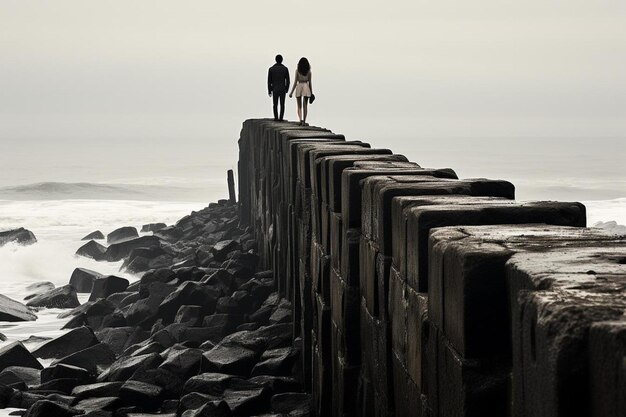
(303, 66)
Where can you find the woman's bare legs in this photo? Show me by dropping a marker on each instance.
(306, 106)
(299, 101)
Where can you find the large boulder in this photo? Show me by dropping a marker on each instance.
(62, 297)
(71, 342)
(16, 354)
(184, 363)
(62, 371)
(153, 227)
(210, 409)
(100, 389)
(97, 235)
(94, 359)
(103, 287)
(21, 236)
(143, 394)
(93, 250)
(231, 358)
(82, 279)
(30, 376)
(189, 293)
(221, 249)
(118, 251)
(47, 408)
(123, 368)
(37, 288)
(123, 233)
(11, 310)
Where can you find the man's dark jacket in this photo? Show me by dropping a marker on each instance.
(278, 79)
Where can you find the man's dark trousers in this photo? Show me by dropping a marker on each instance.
(276, 96)
(277, 86)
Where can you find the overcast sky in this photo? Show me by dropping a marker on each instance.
(114, 77)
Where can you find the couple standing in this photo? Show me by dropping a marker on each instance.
(278, 84)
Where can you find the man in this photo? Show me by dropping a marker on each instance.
(277, 85)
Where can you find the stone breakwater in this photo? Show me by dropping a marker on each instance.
(202, 333)
(416, 293)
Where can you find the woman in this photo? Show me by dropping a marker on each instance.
(303, 87)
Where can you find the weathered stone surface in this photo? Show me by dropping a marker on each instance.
(291, 403)
(189, 293)
(98, 404)
(185, 363)
(96, 235)
(143, 394)
(82, 279)
(11, 310)
(61, 297)
(104, 287)
(101, 389)
(231, 358)
(123, 233)
(210, 409)
(210, 383)
(152, 227)
(15, 354)
(221, 249)
(30, 376)
(93, 250)
(123, 368)
(95, 358)
(38, 288)
(120, 250)
(20, 236)
(47, 408)
(59, 371)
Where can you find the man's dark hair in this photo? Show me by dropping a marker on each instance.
(279, 59)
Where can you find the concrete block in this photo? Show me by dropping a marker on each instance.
(470, 388)
(467, 285)
(399, 219)
(351, 187)
(607, 368)
(345, 312)
(382, 193)
(350, 246)
(556, 297)
(337, 164)
(336, 240)
(421, 219)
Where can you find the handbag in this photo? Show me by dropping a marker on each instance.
(312, 98)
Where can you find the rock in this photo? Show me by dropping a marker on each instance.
(97, 235)
(62, 297)
(98, 404)
(12, 311)
(189, 293)
(210, 409)
(47, 408)
(185, 363)
(277, 362)
(194, 401)
(82, 279)
(36, 339)
(93, 250)
(231, 358)
(117, 337)
(60, 371)
(277, 384)
(291, 403)
(125, 367)
(15, 354)
(21, 236)
(153, 227)
(101, 389)
(29, 376)
(192, 315)
(104, 287)
(123, 233)
(95, 358)
(246, 398)
(123, 299)
(38, 288)
(145, 310)
(71, 342)
(171, 384)
(61, 385)
(143, 394)
(118, 251)
(221, 249)
(211, 383)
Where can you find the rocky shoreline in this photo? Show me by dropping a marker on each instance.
(203, 332)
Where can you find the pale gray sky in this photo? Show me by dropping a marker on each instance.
(122, 80)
